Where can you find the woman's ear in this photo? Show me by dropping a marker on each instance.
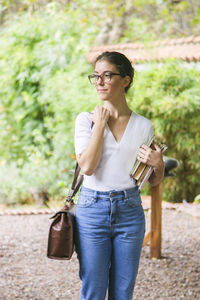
(127, 81)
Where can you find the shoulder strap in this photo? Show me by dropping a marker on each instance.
(76, 185)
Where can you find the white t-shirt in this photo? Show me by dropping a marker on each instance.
(117, 159)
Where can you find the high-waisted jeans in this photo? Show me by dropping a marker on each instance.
(110, 229)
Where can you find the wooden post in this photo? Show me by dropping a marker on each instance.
(156, 221)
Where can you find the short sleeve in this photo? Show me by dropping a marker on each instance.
(143, 129)
(82, 132)
(150, 131)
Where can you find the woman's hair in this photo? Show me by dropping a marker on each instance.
(121, 62)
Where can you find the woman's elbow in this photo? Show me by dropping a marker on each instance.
(85, 167)
(87, 172)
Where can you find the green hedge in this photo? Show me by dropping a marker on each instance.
(170, 96)
(44, 85)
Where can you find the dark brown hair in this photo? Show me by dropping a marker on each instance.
(121, 62)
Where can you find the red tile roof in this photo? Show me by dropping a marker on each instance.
(187, 49)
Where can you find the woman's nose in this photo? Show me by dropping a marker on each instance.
(100, 80)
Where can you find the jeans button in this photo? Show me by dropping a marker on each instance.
(111, 194)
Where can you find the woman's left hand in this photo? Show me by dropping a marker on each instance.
(153, 158)
(149, 156)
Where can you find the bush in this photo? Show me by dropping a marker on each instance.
(170, 97)
(44, 85)
(38, 182)
(41, 65)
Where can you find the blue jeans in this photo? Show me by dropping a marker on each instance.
(110, 229)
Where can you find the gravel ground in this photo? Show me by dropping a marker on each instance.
(26, 272)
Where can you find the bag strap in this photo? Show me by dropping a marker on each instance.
(76, 185)
(76, 174)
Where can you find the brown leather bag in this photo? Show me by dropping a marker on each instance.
(61, 232)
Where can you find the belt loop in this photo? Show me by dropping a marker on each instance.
(125, 194)
(95, 195)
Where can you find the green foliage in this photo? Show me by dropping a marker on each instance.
(197, 199)
(44, 85)
(39, 75)
(170, 97)
(140, 19)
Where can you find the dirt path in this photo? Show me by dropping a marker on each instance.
(26, 273)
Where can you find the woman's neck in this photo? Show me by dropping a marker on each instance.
(118, 109)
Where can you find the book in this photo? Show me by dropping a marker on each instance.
(140, 171)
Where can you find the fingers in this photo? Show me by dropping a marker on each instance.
(145, 148)
(144, 154)
(157, 148)
(100, 115)
(149, 156)
(102, 112)
(143, 159)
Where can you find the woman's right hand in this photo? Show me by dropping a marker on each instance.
(89, 159)
(100, 116)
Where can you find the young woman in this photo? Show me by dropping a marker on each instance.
(110, 223)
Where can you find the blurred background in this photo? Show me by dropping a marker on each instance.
(45, 50)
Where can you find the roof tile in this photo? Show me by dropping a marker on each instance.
(186, 48)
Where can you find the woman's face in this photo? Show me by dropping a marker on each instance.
(115, 87)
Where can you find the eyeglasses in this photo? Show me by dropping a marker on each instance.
(106, 77)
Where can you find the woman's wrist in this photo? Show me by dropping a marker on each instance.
(100, 125)
(158, 174)
(159, 166)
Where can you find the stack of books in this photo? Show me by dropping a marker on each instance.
(140, 171)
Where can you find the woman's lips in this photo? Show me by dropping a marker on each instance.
(102, 90)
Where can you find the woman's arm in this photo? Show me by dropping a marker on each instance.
(89, 159)
(153, 158)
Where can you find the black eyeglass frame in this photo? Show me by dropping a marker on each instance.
(96, 77)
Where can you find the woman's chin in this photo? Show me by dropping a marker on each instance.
(103, 97)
